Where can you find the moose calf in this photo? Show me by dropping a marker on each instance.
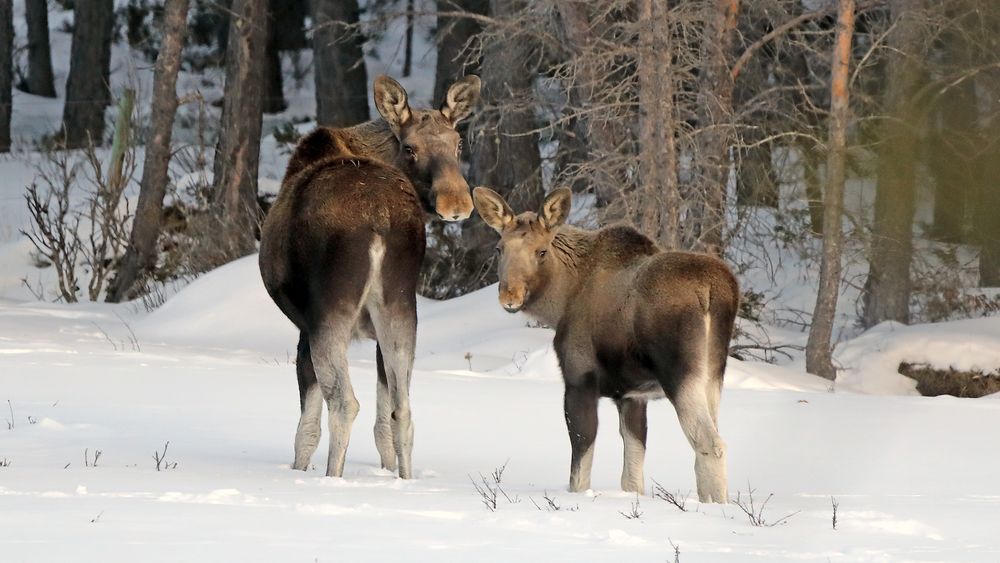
(632, 323)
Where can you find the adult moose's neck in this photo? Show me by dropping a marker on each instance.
(373, 139)
(566, 267)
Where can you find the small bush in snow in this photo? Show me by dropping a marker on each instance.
(755, 514)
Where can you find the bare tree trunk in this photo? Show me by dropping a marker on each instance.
(505, 154)
(6, 71)
(338, 63)
(887, 289)
(141, 254)
(274, 93)
(88, 90)
(756, 183)
(453, 34)
(40, 81)
(659, 215)
(715, 118)
(819, 360)
(810, 158)
(599, 135)
(236, 156)
(408, 48)
(988, 218)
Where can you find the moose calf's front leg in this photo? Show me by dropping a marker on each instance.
(580, 406)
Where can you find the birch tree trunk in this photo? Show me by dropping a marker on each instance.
(819, 359)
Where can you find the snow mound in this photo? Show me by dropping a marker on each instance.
(871, 361)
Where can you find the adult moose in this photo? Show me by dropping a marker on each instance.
(340, 252)
(632, 322)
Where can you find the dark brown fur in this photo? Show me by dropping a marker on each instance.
(340, 255)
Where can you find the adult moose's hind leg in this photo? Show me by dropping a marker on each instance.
(311, 403)
(580, 408)
(396, 330)
(383, 416)
(632, 425)
(328, 345)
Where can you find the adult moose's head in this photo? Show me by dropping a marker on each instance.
(525, 241)
(429, 145)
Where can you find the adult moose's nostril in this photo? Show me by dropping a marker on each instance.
(456, 217)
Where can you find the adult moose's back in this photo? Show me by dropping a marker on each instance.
(340, 254)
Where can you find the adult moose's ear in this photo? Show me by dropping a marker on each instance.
(392, 103)
(492, 208)
(461, 99)
(555, 210)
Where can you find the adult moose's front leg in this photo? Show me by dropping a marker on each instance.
(580, 407)
(328, 346)
(632, 425)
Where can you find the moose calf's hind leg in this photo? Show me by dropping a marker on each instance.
(709, 450)
(329, 354)
(383, 417)
(311, 403)
(632, 426)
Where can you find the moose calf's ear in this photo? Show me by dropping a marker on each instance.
(461, 99)
(492, 208)
(555, 210)
(392, 103)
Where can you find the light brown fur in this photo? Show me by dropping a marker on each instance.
(632, 323)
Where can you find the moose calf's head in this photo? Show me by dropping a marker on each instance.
(429, 145)
(525, 243)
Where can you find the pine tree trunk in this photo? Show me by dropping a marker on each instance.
(40, 81)
(141, 254)
(715, 115)
(887, 295)
(6, 71)
(505, 155)
(756, 183)
(600, 136)
(274, 94)
(988, 218)
(658, 185)
(408, 48)
(453, 33)
(236, 156)
(338, 63)
(819, 360)
(88, 90)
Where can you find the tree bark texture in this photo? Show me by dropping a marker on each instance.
(40, 81)
(238, 149)
(715, 112)
(88, 88)
(274, 94)
(888, 287)
(6, 71)
(505, 152)
(819, 359)
(338, 63)
(453, 34)
(141, 253)
(659, 215)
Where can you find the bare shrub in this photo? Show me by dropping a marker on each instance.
(673, 498)
(79, 218)
(490, 489)
(161, 458)
(755, 513)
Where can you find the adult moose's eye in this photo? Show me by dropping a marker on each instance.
(542, 253)
(411, 153)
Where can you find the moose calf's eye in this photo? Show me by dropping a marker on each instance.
(542, 253)
(410, 153)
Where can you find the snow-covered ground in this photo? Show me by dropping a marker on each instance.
(211, 372)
